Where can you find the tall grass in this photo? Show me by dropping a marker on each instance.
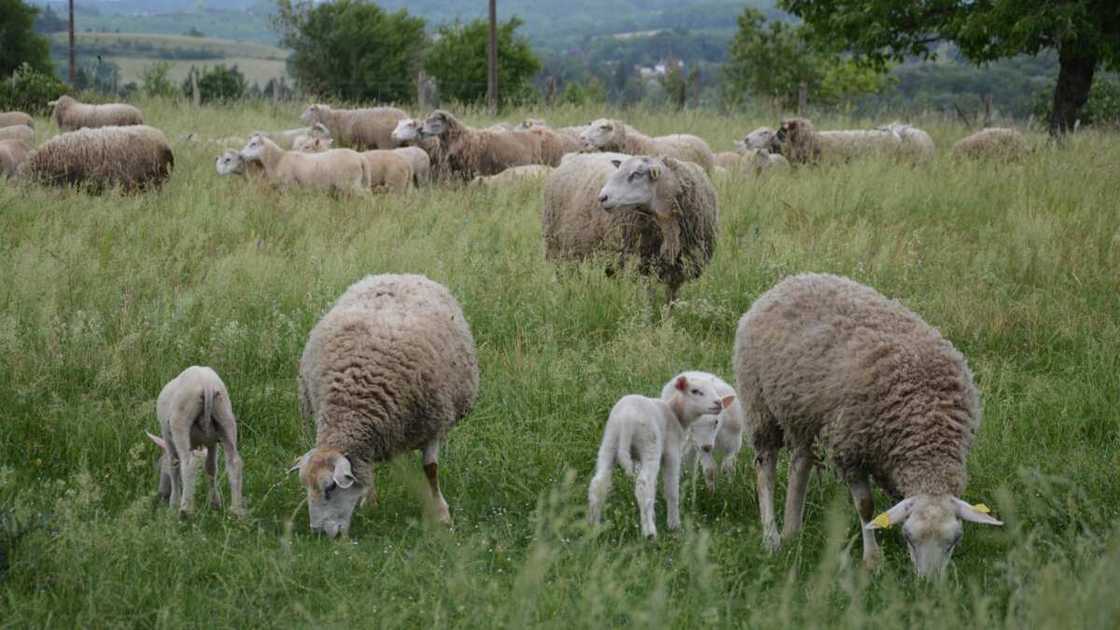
(104, 299)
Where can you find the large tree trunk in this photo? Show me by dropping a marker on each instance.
(1075, 77)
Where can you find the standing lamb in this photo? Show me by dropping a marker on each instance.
(473, 152)
(801, 143)
(823, 362)
(359, 129)
(998, 143)
(419, 161)
(337, 170)
(615, 136)
(712, 434)
(651, 430)
(194, 411)
(389, 369)
(70, 114)
(18, 132)
(388, 170)
(133, 157)
(7, 119)
(12, 154)
(407, 134)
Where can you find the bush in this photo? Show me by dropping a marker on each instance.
(457, 60)
(29, 91)
(1102, 108)
(155, 81)
(218, 83)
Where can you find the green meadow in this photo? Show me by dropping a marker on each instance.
(104, 299)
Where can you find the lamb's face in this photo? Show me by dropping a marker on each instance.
(435, 124)
(332, 490)
(254, 147)
(597, 134)
(230, 163)
(761, 138)
(407, 130)
(633, 186)
(311, 115)
(931, 525)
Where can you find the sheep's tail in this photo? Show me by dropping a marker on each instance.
(605, 461)
(207, 405)
(622, 453)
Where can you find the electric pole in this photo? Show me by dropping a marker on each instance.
(73, 70)
(492, 61)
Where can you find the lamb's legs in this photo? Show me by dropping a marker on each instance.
(233, 467)
(431, 470)
(645, 491)
(176, 478)
(671, 486)
(212, 476)
(865, 506)
(765, 465)
(800, 469)
(600, 486)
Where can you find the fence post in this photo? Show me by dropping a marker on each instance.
(802, 98)
(196, 98)
(987, 110)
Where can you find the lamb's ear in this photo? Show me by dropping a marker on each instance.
(158, 440)
(343, 475)
(894, 516)
(617, 163)
(681, 384)
(978, 513)
(300, 461)
(727, 400)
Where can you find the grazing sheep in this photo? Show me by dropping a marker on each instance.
(761, 138)
(12, 154)
(407, 133)
(615, 136)
(359, 129)
(7, 119)
(194, 411)
(70, 114)
(388, 170)
(473, 152)
(917, 145)
(420, 162)
(337, 170)
(999, 143)
(231, 163)
(513, 175)
(651, 430)
(801, 143)
(823, 362)
(18, 132)
(390, 368)
(133, 157)
(554, 145)
(712, 434)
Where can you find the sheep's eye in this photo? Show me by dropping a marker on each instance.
(695, 392)
(331, 485)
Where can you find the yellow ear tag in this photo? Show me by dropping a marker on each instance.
(983, 509)
(883, 521)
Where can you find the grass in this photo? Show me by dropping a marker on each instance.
(104, 299)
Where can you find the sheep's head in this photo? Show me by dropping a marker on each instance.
(931, 525)
(230, 163)
(319, 130)
(407, 130)
(633, 186)
(600, 134)
(312, 144)
(313, 114)
(761, 138)
(793, 128)
(254, 147)
(436, 124)
(530, 123)
(332, 490)
(694, 398)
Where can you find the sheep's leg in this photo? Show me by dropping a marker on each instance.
(431, 470)
(865, 506)
(765, 465)
(671, 486)
(212, 476)
(176, 480)
(645, 491)
(233, 457)
(370, 497)
(800, 469)
(187, 469)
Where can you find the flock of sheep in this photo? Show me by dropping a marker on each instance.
(822, 363)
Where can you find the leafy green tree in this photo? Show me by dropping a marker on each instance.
(350, 49)
(29, 90)
(19, 43)
(218, 83)
(457, 60)
(155, 79)
(1085, 33)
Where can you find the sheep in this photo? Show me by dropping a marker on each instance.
(512, 175)
(823, 362)
(12, 154)
(231, 163)
(573, 132)
(801, 143)
(194, 410)
(309, 135)
(388, 170)
(473, 152)
(753, 161)
(133, 157)
(917, 145)
(70, 114)
(407, 133)
(420, 162)
(993, 143)
(390, 368)
(712, 434)
(360, 129)
(615, 136)
(309, 144)
(338, 170)
(761, 138)
(7, 119)
(728, 160)
(651, 430)
(18, 132)
(554, 145)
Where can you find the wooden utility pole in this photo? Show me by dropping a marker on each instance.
(492, 61)
(73, 68)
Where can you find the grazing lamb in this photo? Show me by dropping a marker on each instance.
(999, 143)
(389, 369)
(18, 132)
(513, 175)
(194, 411)
(231, 163)
(474, 152)
(801, 143)
(70, 114)
(12, 154)
(133, 157)
(615, 136)
(825, 363)
(917, 145)
(651, 430)
(7, 119)
(359, 129)
(408, 134)
(337, 170)
(712, 434)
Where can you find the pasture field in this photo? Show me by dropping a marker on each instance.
(104, 299)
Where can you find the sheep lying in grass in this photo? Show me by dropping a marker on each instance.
(513, 175)
(474, 152)
(337, 170)
(751, 161)
(801, 143)
(408, 134)
(917, 145)
(615, 136)
(7, 119)
(823, 362)
(999, 143)
(12, 154)
(18, 132)
(389, 369)
(194, 411)
(359, 129)
(712, 435)
(231, 163)
(70, 114)
(651, 431)
(134, 157)
(761, 138)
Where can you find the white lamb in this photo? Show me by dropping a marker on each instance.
(712, 435)
(651, 430)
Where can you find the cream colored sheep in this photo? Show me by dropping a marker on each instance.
(70, 114)
(513, 175)
(133, 157)
(917, 145)
(12, 154)
(7, 119)
(407, 133)
(554, 145)
(357, 128)
(801, 143)
(998, 143)
(616, 136)
(338, 170)
(473, 152)
(388, 170)
(18, 132)
(420, 162)
(231, 163)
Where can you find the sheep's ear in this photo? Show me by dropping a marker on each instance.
(727, 400)
(682, 383)
(654, 173)
(894, 516)
(343, 475)
(616, 163)
(978, 513)
(160, 442)
(300, 461)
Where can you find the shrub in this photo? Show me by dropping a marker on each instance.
(29, 90)
(155, 81)
(1102, 108)
(218, 83)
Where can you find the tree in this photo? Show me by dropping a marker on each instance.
(218, 83)
(1085, 33)
(350, 49)
(19, 41)
(457, 60)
